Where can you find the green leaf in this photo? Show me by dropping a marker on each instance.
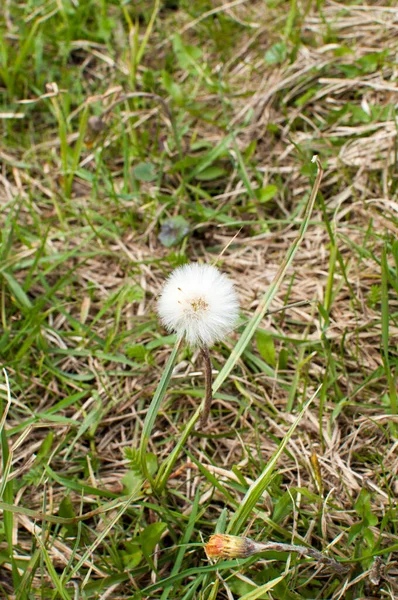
(267, 193)
(369, 63)
(17, 291)
(132, 556)
(283, 359)
(354, 531)
(134, 477)
(262, 589)
(276, 54)
(131, 480)
(304, 98)
(144, 172)
(66, 511)
(211, 173)
(283, 507)
(172, 88)
(173, 230)
(210, 157)
(266, 347)
(45, 447)
(151, 463)
(137, 351)
(395, 253)
(187, 56)
(151, 536)
(363, 507)
(359, 115)
(154, 407)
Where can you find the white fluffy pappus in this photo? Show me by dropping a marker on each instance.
(199, 303)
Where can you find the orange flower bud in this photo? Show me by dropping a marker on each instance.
(229, 546)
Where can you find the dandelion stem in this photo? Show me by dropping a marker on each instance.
(208, 385)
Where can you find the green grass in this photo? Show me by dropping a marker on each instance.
(155, 133)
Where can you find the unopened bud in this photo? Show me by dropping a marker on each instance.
(230, 546)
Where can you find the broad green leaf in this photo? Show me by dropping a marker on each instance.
(266, 347)
(276, 54)
(266, 193)
(132, 556)
(151, 536)
(144, 172)
(172, 88)
(66, 511)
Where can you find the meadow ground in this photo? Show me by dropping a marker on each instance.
(136, 136)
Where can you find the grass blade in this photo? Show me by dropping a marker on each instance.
(7, 488)
(385, 337)
(259, 486)
(262, 308)
(154, 408)
(260, 591)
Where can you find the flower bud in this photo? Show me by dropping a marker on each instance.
(229, 546)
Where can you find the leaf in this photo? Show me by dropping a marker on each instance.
(132, 557)
(372, 61)
(260, 591)
(134, 477)
(210, 157)
(66, 511)
(266, 347)
(172, 88)
(144, 172)
(276, 54)
(151, 463)
(45, 447)
(151, 536)
(173, 230)
(186, 55)
(267, 193)
(283, 507)
(137, 351)
(354, 531)
(364, 509)
(17, 291)
(211, 173)
(131, 480)
(283, 359)
(359, 115)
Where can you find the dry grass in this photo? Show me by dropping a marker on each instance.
(83, 266)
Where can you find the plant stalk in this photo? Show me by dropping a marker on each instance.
(208, 386)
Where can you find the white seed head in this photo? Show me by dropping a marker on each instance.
(199, 303)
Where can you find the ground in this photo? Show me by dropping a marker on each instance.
(137, 136)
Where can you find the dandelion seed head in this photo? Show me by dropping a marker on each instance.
(199, 303)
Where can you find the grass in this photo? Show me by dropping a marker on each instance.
(137, 136)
